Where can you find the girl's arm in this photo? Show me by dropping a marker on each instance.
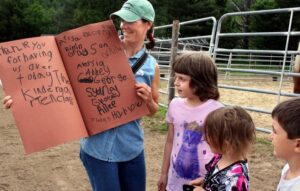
(150, 94)
(162, 183)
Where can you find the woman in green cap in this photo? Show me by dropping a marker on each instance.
(114, 160)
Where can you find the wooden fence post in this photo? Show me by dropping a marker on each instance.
(174, 45)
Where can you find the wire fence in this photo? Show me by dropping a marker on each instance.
(233, 64)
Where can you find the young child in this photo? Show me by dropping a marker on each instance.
(229, 131)
(186, 152)
(286, 141)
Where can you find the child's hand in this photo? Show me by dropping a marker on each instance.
(197, 182)
(198, 188)
(162, 183)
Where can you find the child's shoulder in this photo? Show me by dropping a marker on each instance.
(215, 103)
(286, 169)
(292, 184)
(212, 104)
(177, 100)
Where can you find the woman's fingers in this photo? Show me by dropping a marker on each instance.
(144, 91)
(7, 102)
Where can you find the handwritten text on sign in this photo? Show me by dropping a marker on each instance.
(33, 61)
(72, 85)
(96, 62)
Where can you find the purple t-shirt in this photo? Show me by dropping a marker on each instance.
(190, 151)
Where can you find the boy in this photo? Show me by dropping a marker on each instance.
(286, 141)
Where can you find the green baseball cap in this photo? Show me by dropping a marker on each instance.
(133, 10)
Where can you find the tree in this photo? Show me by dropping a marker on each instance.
(27, 18)
(11, 25)
(37, 19)
(272, 23)
(296, 20)
(242, 22)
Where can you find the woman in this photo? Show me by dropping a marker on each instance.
(114, 160)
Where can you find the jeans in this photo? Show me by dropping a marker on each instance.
(115, 176)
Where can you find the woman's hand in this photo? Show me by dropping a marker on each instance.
(150, 94)
(144, 92)
(7, 102)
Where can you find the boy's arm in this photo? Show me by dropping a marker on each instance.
(162, 183)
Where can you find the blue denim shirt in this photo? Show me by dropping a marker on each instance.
(124, 142)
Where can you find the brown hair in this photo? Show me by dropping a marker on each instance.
(287, 113)
(149, 35)
(230, 129)
(203, 72)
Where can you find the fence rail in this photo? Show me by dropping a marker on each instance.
(276, 63)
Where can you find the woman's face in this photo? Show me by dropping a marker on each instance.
(134, 31)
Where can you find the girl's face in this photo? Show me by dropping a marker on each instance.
(182, 85)
(283, 147)
(134, 32)
(212, 148)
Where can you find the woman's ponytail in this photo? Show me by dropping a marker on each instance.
(151, 42)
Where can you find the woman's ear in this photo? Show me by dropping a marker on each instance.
(149, 25)
(297, 145)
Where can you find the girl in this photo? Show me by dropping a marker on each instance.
(229, 132)
(186, 152)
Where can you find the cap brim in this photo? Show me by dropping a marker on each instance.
(126, 15)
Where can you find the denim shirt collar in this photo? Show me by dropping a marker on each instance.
(138, 54)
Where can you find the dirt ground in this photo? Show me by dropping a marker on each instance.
(59, 168)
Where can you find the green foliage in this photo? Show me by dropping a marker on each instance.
(264, 141)
(27, 18)
(185, 10)
(37, 18)
(296, 20)
(287, 3)
(157, 122)
(268, 23)
(11, 19)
